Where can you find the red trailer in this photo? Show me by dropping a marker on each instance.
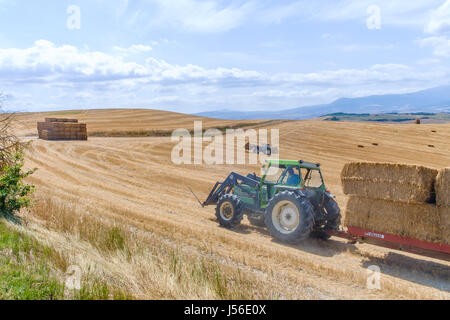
(382, 239)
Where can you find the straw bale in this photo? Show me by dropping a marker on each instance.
(60, 120)
(387, 190)
(412, 220)
(443, 188)
(444, 213)
(397, 182)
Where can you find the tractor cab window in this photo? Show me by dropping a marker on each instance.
(273, 174)
(313, 179)
(291, 176)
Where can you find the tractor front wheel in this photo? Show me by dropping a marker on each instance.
(229, 211)
(289, 217)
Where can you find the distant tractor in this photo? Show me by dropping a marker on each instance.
(292, 202)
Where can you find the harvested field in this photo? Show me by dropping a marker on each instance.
(443, 188)
(132, 183)
(411, 220)
(397, 182)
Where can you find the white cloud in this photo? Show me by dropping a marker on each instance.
(47, 62)
(440, 45)
(439, 19)
(299, 93)
(203, 16)
(210, 16)
(95, 78)
(380, 73)
(354, 47)
(133, 49)
(278, 13)
(428, 61)
(393, 12)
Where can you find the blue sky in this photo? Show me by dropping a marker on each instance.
(191, 55)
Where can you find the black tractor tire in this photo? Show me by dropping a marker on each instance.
(320, 234)
(333, 220)
(333, 214)
(285, 206)
(257, 221)
(229, 211)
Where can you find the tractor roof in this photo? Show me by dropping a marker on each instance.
(300, 163)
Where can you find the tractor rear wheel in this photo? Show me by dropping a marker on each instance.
(289, 217)
(333, 214)
(229, 211)
(333, 219)
(320, 234)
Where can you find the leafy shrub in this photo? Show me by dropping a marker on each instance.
(13, 191)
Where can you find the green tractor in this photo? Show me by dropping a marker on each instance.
(290, 199)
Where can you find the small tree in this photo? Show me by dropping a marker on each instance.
(13, 191)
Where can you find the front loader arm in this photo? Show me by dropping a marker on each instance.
(221, 188)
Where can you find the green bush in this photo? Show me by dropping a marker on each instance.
(13, 191)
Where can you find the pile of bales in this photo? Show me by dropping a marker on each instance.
(443, 202)
(405, 200)
(62, 129)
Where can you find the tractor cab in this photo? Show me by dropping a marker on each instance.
(291, 173)
(282, 175)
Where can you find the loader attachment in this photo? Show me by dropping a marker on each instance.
(196, 197)
(221, 188)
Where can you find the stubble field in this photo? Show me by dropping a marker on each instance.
(175, 249)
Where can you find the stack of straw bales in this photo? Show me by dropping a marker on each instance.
(62, 129)
(443, 201)
(398, 199)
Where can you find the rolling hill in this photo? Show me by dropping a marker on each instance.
(435, 100)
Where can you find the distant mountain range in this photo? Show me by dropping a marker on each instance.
(436, 100)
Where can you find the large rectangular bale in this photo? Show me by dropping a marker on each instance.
(442, 187)
(58, 125)
(63, 129)
(39, 129)
(411, 220)
(354, 216)
(44, 125)
(49, 135)
(44, 134)
(60, 120)
(419, 175)
(387, 190)
(444, 213)
(397, 182)
(82, 137)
